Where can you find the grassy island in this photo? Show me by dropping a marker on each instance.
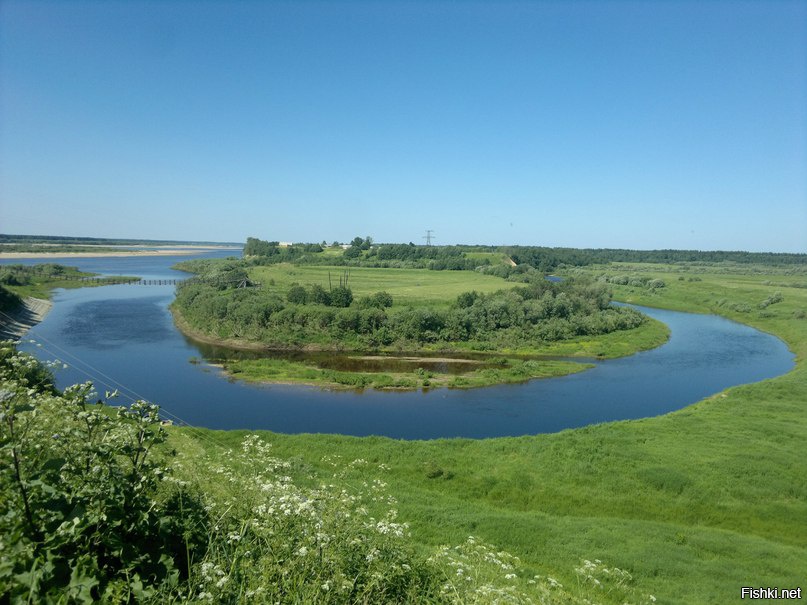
(488, 326)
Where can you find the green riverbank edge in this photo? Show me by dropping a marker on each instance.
(513, 365)
(694, 504)
(42, 287)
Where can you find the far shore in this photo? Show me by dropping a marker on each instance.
(172, 251)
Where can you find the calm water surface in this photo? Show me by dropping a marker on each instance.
(123, 336)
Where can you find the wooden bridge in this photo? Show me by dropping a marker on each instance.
(136, 281)
(131, 281)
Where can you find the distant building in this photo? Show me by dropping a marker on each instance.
(284, 244)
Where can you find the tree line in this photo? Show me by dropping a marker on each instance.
(539, 311)
(702, 256)
(364, 252)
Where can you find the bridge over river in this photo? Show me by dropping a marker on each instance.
(136, 281)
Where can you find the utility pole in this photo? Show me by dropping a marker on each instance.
(428, 237)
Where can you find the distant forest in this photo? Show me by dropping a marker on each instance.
(363, 252)
(687, 256)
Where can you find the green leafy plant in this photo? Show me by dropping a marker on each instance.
(80, 517)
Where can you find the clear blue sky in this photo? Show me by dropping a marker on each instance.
(587, 124)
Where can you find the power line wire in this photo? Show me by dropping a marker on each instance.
(116, 385)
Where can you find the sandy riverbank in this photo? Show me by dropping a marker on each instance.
(172, 251)
(15, 324)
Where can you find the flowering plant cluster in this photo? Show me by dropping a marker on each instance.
(80, 516)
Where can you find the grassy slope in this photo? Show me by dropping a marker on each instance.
(696, 503)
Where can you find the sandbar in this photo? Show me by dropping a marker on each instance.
(173, 251)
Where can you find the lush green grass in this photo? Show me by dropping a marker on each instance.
(737, 296)
(407, 286)
(695, 504)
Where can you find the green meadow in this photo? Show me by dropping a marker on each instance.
(407, 286)
(694, 504)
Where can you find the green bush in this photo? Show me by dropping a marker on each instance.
(380, 300)
(80, 517)
(341, 296)
(297, 295)
(773, 299)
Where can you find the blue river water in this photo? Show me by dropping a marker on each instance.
(123, 337)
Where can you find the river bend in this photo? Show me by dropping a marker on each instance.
(124, 336)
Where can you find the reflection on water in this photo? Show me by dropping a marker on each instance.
(123, 336)
(402, 361)
(344, 362)
(437, 362)
(99, 325)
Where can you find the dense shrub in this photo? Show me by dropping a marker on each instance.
(637, 281)
(21, 275)
(380, 300)
(352, 252)
(318, 295)
(80, 516)
(539, 310)
(774, 298)
(261, 248)
(297, 295)
(341, 296)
